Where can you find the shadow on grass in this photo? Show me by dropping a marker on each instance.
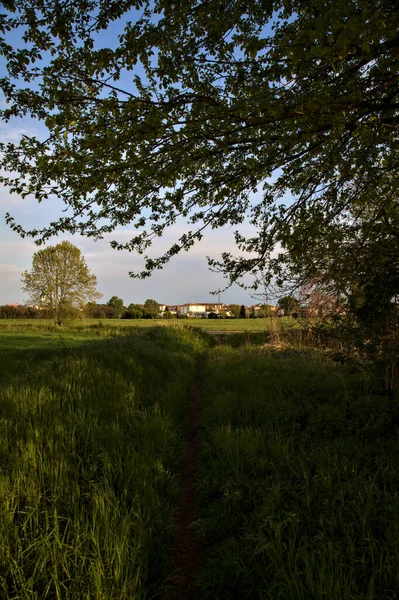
(89, 455)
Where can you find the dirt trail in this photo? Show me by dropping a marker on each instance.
(187, 556)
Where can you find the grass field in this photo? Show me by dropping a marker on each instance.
(299, 479)
(22, 351)
(127, 324)
(90, 444)
(297, 483)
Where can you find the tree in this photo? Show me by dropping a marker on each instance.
(265, 311)
(134, 311)
(288, 304)
(151, 309)
(60, 281)
(243, 312)
(235, 310)
(98, 311)
(117, 306)
(194, 107)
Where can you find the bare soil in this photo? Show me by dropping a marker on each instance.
(187, 555)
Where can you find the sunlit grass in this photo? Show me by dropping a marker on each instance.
(127, 324)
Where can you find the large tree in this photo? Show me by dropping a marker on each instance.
(159, 109)
(60, 281)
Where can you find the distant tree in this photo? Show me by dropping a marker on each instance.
(243, 312)
(288, 304)
(134, 311)
(151, 309)
(235, 310)
(60, 281)
(98, 311)
(265, 311)
(117, 307)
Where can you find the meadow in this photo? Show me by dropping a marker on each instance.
(90, 443)
(128, 324)
(297, 483)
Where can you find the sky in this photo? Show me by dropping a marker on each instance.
(186, 278)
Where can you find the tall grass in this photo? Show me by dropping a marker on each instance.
(89, 454)
(299, 480)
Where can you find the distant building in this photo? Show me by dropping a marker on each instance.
(193, 310)
(174, 309)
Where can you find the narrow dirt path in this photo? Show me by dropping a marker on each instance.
(187, 550)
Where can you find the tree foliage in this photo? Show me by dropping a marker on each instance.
(243, 312)
(60, 281)
(134, 311)
(151, 309)
(288, 304)
(196, 105)
(265, 311)
(117, 306)
(235, 310)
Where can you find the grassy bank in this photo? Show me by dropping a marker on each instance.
(299, 480)
(89, 452)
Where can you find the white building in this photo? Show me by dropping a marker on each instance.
(193, 310)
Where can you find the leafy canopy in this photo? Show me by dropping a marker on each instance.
(60, 281)
(195, 105)
(151, 309)
(288, 304)
(117, 306)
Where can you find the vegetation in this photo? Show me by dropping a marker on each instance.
(298, 479)
(156, 110)
(116, 304)
(89, 455)
(26, 347)
(134, 311)
(288, 304)
(60, 281)
(216, 112)
(151, 309)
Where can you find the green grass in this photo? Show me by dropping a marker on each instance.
(299, 479)
(23, 352)
(90, 445)
(227, 325)
(298, 482)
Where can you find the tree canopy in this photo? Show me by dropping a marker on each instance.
(288, 304)
(60, 281)
(211, 111)
(151, 309)
(117, 306)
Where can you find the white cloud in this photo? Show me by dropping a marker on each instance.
(17, 249)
